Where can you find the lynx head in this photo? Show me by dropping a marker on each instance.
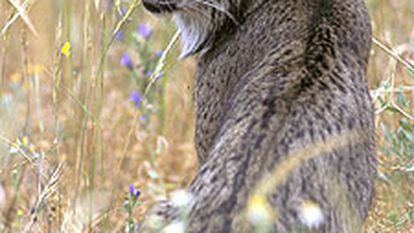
(199, 21)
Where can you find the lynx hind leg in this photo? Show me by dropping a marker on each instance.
(159, 217)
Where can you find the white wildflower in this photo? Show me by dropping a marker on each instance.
(181, 198)
(175, 227)
(13, 150)
(311, 214)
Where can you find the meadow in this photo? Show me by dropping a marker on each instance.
(97, 117)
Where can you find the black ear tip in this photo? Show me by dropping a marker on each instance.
(153, 8)
(157, 7)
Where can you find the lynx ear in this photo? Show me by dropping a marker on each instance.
(194, 33)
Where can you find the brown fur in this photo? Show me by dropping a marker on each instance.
(274, 77)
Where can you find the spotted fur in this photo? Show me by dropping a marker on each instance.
(274, 77)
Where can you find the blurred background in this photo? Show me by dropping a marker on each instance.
(97, 119)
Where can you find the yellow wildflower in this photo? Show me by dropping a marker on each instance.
(258, 210)
(32, 148)
(66, 49)
(25, 141)
(20, 213)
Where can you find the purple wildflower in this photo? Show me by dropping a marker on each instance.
(144, 31)
(127, 61)
(143, 118)
(159, 53)
(137, 193)
(122, 11)
(131, 190)
(159, 75)
(149, 73)
(136, 98)
(134, 192)
(120, 35)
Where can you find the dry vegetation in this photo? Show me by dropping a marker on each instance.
(76, 129)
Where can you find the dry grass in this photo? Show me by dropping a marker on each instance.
(71, 141)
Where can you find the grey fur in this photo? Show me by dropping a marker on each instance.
(275, 76)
